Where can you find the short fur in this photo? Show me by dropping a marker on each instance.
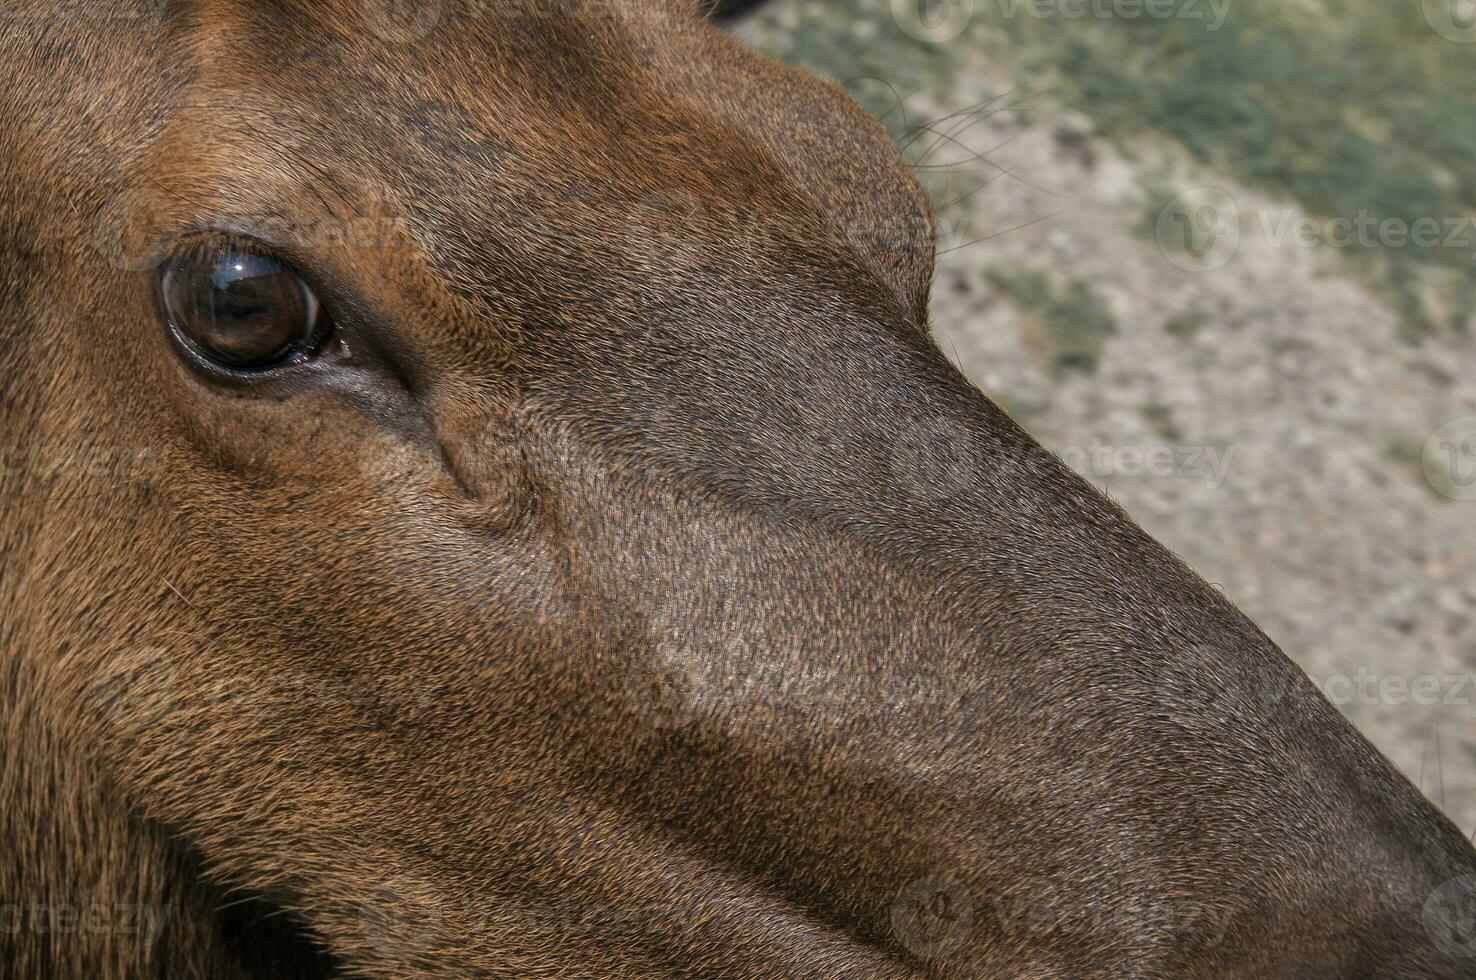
(640, 594)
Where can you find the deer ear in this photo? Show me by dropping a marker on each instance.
(727, 12)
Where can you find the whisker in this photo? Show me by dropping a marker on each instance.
(1006, 231)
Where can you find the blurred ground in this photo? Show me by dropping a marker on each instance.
(1218, 254)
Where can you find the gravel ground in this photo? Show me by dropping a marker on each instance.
(1254, 407)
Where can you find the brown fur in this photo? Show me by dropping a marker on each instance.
(641, 596)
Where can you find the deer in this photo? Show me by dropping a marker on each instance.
(481, 499)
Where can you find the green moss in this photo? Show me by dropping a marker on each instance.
(1187, 325)
(1368, 119)
(1399, 286)
(1405, 451)
(1432, 472)
(1355, 109)
(1160, 419)
(1462, 315)
(1075, 322)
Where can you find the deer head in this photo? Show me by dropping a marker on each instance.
(482, 500)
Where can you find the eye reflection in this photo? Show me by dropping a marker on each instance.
(240, 309)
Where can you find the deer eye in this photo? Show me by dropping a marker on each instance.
(241, 310)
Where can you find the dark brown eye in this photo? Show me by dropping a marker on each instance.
(240, 310)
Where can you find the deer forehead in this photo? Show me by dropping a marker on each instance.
(502, 133)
